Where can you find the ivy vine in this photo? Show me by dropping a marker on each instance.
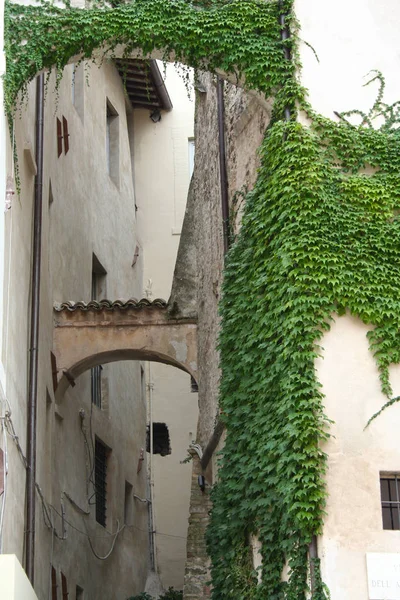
(320, 235)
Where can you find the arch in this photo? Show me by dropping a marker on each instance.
(86, 335)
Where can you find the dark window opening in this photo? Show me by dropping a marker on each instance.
(97, 288)
(128, 507)
(390, 498)
(193, 385)
(64, 587)
(53, 584)
(100, 479)
(79, 593)
(161, 443)
(95, 381)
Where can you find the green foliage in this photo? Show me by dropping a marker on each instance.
(320, 235)
(172, 594)
(141, 596)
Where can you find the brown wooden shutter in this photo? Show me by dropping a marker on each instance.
(53, 584)
(66, 135)
(54, 370)
(64, 587)
(59, 138)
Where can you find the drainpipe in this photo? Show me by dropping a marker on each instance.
(313, 554)
(223, 178)
(34, 339)
(285, 35)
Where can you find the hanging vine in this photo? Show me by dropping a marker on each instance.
(319, 236)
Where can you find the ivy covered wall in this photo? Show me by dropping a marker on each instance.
(320, 235)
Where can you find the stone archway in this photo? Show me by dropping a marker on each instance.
(86, 335)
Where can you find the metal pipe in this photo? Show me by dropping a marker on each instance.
(313, 553)
(285, 35)
(34, 339)
(222, 163)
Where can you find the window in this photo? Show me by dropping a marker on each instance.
(193, 385)
(112, 142)
(77, 89)
(390, 498)
(79, 593)
(101, 453)
(161, 444)
(53, 584)
(64, 587)
(128, 506)
(62, 136)
(98, 288)
(191, 156)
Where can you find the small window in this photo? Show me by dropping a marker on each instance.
(53, 584)
(112, 142)
(128, 507)
(193, 385)
(95, 385)
(191, 148)
(161, 443)
(78, 89)
(101, 453)
(64, 587)
(79, 593)
(390, 498)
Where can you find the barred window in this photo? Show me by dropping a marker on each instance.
(390, 498)
(100, 479)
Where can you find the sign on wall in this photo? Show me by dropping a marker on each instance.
(383, 571)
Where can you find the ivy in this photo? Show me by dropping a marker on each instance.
(320, 235)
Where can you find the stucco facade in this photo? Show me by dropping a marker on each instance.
(162, 175)
(86, 212)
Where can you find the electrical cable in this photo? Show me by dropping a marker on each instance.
(112, 545)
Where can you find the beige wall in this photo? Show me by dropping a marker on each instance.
(350, 39)
(14, 584)
(161, 153)
(88, 212)
(356, 456)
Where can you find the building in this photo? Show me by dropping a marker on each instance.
(92, 489)
(360, 535)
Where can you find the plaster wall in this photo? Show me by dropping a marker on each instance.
(84, 212)
(14, 584)
(162, 174)
(3, 131)
(351, 40)
(356, 457)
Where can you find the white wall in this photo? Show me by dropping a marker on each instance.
(14, 584)
(3, 126)
(161, 185)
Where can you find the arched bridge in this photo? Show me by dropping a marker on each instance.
(93, 333)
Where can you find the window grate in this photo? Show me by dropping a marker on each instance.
(390, 498)
(100, 478)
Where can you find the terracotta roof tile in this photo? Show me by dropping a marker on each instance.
(109, 305)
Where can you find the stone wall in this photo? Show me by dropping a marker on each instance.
(245, 122)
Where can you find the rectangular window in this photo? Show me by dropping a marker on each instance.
(64, 587)
(101, 454)
(53, 584)
(112, 142)
(79, 593)
(78, 88)
(128, 507)
(191, 156)
(97, 289)
(390, 498)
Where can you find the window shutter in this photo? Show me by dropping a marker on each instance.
(64, 587)
(66, 135)
(59, 138)
(53, 584)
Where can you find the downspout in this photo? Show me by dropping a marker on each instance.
(285, 35)
(223, 178)
(34, 339)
